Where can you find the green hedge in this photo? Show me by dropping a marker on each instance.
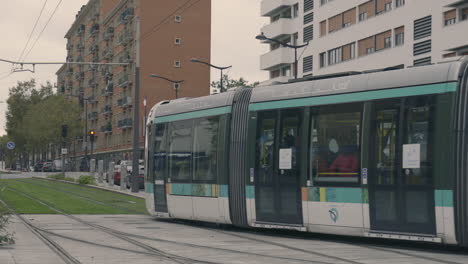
(84, 179)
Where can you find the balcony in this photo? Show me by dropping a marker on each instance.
(277, 57)
(93, 116)
(107, 129)
(107, 54)
(94, 29)
(109, 33)
(107, 110)
(93, 49)
(81, 29)
(125, 101)
(269, 7)
(108, 90)
(125, 123)
(281, 27)
(124, 81)
(92, 83)
(92, 99)
(79, 76)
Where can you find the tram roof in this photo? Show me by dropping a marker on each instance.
(352, 82)
(183, 105)
(358, 82)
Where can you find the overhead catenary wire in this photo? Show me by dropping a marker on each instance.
(184, 7)
(33, 29)
(43, 29)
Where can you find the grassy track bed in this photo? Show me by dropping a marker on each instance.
(112, 198)
(57, 196)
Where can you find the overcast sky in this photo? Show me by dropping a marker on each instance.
(235, 23)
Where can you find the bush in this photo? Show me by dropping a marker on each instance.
(60, 176)
(87, 180)
(5, 236)
(70, 179)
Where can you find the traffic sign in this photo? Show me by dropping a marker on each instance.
(64, 151)
(11, 145)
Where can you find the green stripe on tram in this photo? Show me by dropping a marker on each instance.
(357, 97)
(444, 198)
(195, 114)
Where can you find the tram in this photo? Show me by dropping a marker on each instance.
(375, 154)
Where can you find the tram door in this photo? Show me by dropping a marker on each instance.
(277, 186)
(159, 168)
(401, 191)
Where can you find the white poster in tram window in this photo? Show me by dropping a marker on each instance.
(285, 159)
(411, 156)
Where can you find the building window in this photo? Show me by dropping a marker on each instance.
(347, 24)
(286, 71)
(307, 65)
(275, 74)
(296, 10)
(308, 5)
(178, 19)
(178, 41)
(400, 39)
(335, 56)
(352, 50)
(362, 16)
(177, 64)
(399, 3)
(450, 21)
(464, 14)
(369, 50)
(388, 7)
(308, 33)
(450, 17)
(323, 61)
(387, 42)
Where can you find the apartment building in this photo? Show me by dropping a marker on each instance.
(171, 33)
(356, 35)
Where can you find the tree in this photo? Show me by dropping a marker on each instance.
(231, 83)
(35, 117)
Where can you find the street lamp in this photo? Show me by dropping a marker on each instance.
(295, 47)
(172, 81)
(216, 67)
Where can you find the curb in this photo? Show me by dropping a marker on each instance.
(94, 186)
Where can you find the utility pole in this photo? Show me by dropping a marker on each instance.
(136, 112)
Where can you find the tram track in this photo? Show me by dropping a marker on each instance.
(155, 252)
(128, 210)
(378, 248)
(56, 248)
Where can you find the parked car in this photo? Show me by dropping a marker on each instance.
(140, 177)
(48, 166)
(38, 166)
(128, 165)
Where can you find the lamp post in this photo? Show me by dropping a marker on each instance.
(172, 81)
(295, 47)
(216, 67)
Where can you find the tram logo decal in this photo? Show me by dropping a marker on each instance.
(333, 214)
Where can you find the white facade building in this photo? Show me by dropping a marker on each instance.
(357, 35)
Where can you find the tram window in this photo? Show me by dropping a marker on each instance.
(159, 159)
(335, 144)
(205, 154)
(419, 130)
(180, 151)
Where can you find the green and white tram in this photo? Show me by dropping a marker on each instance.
(380, 154)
